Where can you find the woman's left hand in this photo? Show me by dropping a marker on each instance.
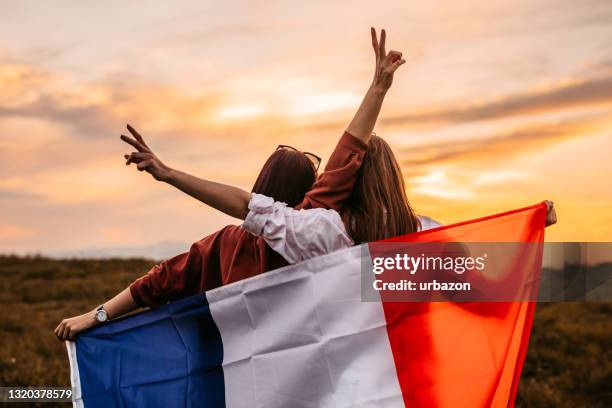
(69, 328)
(551, 214)
(144, 158)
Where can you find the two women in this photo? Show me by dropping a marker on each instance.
(359, 198)
(233, 253)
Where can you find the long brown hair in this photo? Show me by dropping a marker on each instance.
(378, 207)
(286, 176)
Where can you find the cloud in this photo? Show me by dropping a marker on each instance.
(489, 178)
(577, 93)
(17, 79)
(90, 120)
(438, 184)
(521, 140)
(13, 194)
(94, 110)
(569, 94)
(464, 184)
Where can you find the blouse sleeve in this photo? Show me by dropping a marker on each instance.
(334, 186)
(295, 234)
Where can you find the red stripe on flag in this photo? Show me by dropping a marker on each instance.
(464, 354)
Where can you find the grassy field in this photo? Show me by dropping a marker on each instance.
(569, 363)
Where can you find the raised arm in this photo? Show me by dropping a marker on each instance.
(364, 120)
(230, 200)
(334, 186)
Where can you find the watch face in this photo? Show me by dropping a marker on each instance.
(101, 315)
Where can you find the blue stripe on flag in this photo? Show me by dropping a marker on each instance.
(169, 356)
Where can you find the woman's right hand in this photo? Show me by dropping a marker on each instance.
(386, 63)
(69, 328)
(144, 157)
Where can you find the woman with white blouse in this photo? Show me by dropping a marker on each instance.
(298, 235)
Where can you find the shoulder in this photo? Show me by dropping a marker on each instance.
(267, 216)
(320, 216)
(262, 204)
(428, 223)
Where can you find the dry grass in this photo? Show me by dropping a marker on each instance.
(569, 362)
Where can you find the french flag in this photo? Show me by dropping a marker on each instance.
(301, 336)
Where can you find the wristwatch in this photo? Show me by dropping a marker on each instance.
(101, 315)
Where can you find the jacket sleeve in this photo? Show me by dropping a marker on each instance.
(181, 276)
(334, 186)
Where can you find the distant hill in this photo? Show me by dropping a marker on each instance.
(159, 251)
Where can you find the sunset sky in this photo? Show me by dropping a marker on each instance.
(501, 104)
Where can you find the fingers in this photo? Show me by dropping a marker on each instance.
(380, 50)
(62, 331)
(57, 330)
(136, 135)
(66, 332)
(553, 217)
(393, 56)
(374, 41)
(550, 206)
(136, 157)
(144, 164)
(134, 143)
(396, 65)
(381, 46)
(551, 214)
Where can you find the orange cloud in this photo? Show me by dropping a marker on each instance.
(524, 139)
(578, 93)
(18, 82)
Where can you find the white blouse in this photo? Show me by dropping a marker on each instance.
(298, 235)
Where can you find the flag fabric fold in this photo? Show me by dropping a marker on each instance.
(301, 336)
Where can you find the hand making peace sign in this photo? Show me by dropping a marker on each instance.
(144, 158)
(386, 63)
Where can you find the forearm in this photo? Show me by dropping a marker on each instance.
(230, 200)
(121, 304)
(365, 119)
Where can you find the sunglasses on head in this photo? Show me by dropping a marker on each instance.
(316, 160)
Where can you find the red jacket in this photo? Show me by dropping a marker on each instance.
(232, 254)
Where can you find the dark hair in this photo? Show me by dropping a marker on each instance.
(378, 207)
(286, 176)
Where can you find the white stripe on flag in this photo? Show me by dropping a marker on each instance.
(75, 379)
(300, 336)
